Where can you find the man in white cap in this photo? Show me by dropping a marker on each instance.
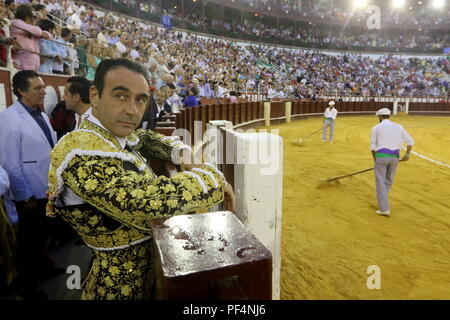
(329, 121)
(386, 140)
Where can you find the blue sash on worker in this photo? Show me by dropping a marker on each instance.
(329, 119)
(383, 153)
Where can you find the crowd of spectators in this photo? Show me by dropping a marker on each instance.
(420, 13)
(216, 68)
(322, 35)
(311, 35)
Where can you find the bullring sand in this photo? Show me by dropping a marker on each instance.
(330, 232)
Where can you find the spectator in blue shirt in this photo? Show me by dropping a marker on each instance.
(191, 100)
(48, 48)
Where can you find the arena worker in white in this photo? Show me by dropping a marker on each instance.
(329, 121)
(386, 140)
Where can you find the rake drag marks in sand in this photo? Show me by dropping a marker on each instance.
(331, 233)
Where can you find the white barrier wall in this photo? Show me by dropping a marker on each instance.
(258, 186)
(259, 190)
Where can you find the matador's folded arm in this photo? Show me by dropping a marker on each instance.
(135, 198)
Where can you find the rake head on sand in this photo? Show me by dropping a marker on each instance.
(300, 141)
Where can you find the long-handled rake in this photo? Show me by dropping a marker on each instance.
(348, 175)
(352, 174)
(300, 141)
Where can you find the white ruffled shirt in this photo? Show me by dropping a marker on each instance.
(79, 119)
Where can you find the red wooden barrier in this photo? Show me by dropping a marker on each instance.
(189, 119)
(274, 106)
(309, 106)
(244, 111)
(339, 106)
(224, 112)
(237, 113)
(167, 131)
(210, 112)
(254, 110)
(231, 113)
(178, 120)
(300, 107)
(218, 112)
(260, 110)
(294, 107)
(318, 107)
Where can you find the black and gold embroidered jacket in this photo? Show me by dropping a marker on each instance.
(121, 195)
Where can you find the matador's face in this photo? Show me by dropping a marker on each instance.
(123, 101)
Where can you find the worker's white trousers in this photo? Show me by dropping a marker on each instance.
(326, 124)
(385, 169)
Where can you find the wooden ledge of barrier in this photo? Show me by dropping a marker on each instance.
(165, 124)
(167, 131)
(209, 256)
(209, 101)
(169, 117)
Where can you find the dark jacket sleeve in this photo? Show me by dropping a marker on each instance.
(148, 121)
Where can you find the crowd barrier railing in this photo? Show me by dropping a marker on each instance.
(380, 98)
(63, 23)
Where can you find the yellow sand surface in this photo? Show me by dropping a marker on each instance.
(330, 231)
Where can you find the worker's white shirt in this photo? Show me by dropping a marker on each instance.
(330, 113)
(389, 135)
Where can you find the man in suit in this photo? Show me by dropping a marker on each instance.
(26, 140)
(173, 99)
(157, 108)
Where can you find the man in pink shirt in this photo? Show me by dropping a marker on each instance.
(27, 36)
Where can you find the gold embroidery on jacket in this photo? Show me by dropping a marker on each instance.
(122, 195)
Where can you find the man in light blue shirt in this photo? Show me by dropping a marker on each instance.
(48, 47)
(63, 49)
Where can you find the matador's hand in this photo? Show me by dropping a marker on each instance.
(230, 201)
